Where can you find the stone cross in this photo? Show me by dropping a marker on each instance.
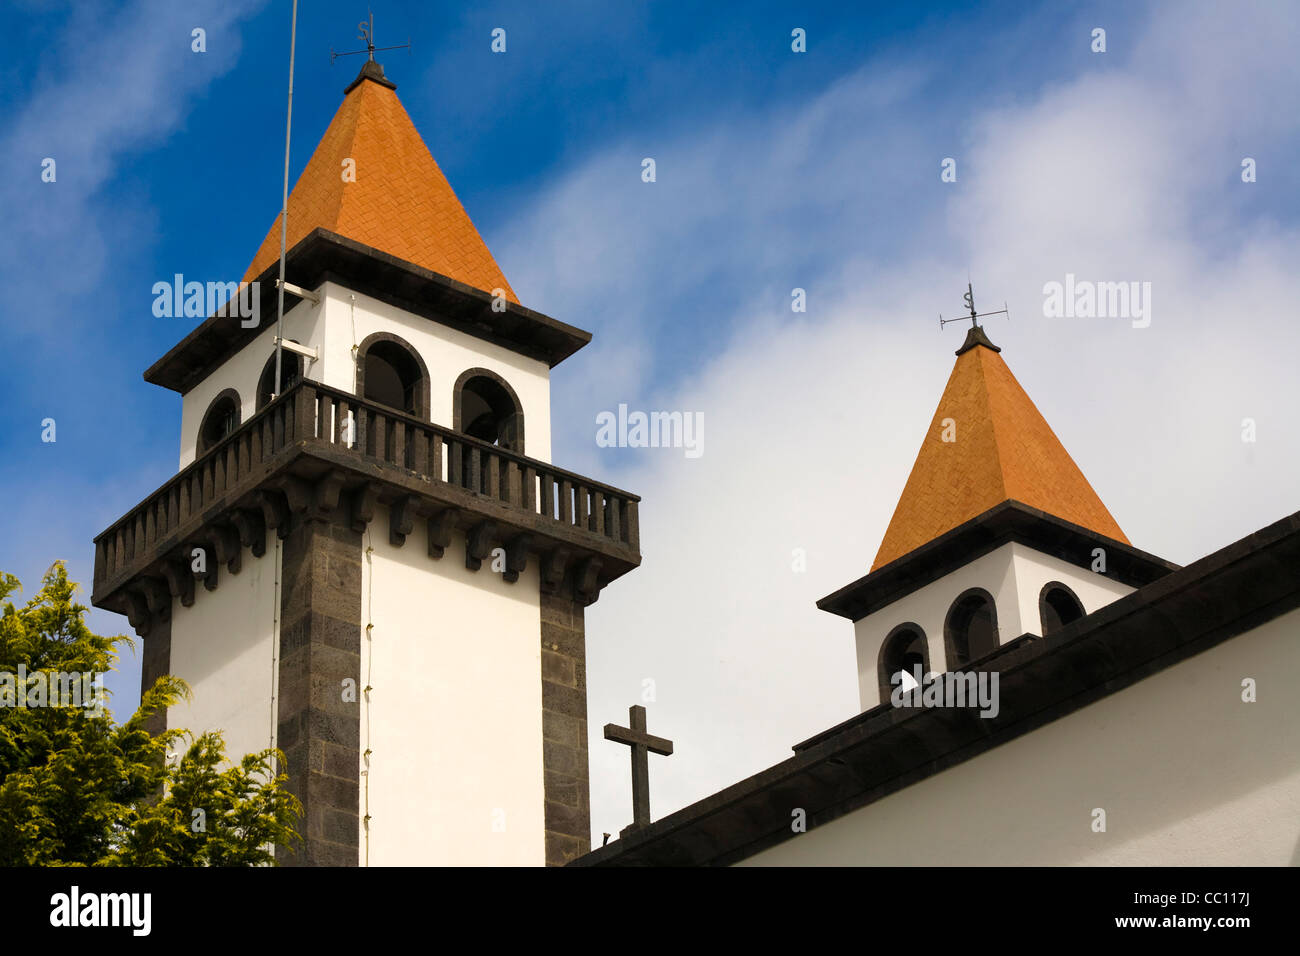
(642, 744)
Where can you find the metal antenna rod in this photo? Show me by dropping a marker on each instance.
(284, 211)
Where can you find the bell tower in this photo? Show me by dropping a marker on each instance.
(997, 538)
(372, 563)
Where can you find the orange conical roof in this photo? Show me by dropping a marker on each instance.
(400, 202)
(1002, 449)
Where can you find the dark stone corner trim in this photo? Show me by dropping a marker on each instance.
(564, 728)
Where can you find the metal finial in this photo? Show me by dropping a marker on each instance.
(368, 33)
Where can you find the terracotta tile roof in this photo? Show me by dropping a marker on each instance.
(1004, 449)
(400, 203)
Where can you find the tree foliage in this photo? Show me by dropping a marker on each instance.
(77, 789)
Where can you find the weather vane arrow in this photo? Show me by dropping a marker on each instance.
(367, 28)
(968, 299)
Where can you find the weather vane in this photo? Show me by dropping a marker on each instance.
(969, 300)
(367, 28)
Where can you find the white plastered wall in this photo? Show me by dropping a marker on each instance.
(1033, 570)
(1014, 574)
(454, 719)
(335, 324)
(223, 646)
(445, 351)
(1187, 773)
(303, 323)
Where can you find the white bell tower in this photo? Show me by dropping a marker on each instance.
(393, 574)
(997, 538)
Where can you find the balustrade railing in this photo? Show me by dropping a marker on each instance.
(313, 413)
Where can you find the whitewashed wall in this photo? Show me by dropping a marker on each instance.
(445, 351)
(455, 714)
(304, 323)
(334, 325)
(1033, 570)
(223, 646)
(1188, 774)
(1014, 574)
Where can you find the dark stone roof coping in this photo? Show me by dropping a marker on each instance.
(325, 256)
(998, 654)
(1010, 521)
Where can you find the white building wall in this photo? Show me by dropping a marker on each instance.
(223, 646)
(335, 324)
(303, 323)
(1014, 574)
(445, 351)
(1187, 773)
(454, 719)
(1033, 570)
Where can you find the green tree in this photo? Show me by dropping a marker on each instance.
(76, 789)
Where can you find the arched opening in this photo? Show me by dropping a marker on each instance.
(392, 377)
(390, 372)
(1058, 606)
(971, 629)
(487, 408)
(290, 373)
(221, 418)
(904, 649)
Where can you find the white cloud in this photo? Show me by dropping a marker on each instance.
(116, 81)
(113, 83)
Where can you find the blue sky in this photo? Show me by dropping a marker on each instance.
(775, 170)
